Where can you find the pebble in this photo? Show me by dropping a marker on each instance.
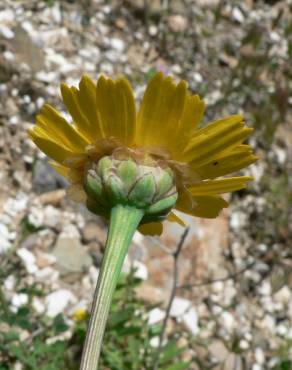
(5, 244)
(256, 367)
(93, 232)
(238, 220)
(283, 295)
(28, 259)
(57, 301)
(238, 15)
(117, 44)
(19, 299)
(155, 316)
(71, 255)
(6, 32)
(177, 23)
(265, 288)
(228, 321)
(38, 305)
(179, 306)
(9, 283)
(190, 320)
(259, 356)
(243, 344)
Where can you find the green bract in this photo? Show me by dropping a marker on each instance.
(150, 188)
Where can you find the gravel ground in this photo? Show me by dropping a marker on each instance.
(236, 55)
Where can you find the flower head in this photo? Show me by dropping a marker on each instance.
(164, 132)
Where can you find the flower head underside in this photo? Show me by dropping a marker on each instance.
(164, 132)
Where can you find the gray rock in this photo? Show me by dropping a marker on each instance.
(71, 256)
(46, 179)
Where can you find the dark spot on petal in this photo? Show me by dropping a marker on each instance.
(215, 163)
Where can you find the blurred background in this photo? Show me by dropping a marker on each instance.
(232, 303)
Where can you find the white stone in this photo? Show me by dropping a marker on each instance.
(198, 77)
(61, 337)
(190, 319)
(154, 342)
(237, 15)
(282, 330)
(45, 76)
(283, 295)
(28, 260)
(265, 288)
(9, 283)
(269, 323)
(237, 220)
(117, 44)
(14, 206)
(10, 57)
(262, 247)
(256, 367)
(70, 231)
(216, 309)
(228, 321)
(4, 238)
(152, 30)
(259, 356)
(218, 286)
(18, 366)
(93, 273)
(36, 217)
(156, 315)
(7, 16)
(19, 299)
(6, 32)
(38, 305)
(138, 238)
(14, 120)
(179, 306)
(248, 336)
(47, 274)
(57, 301)
(141, 270)
(40, 102)
(243, 344)
(4, 245)
(281, 155)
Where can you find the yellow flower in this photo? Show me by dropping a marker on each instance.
(79, 314)
(166, 127)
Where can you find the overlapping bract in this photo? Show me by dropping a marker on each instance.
(166, 126)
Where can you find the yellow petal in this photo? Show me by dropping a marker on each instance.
(50, 148)
(173, 217)
(207, 206)
(58, 129)
(214, 139)
(70, 98)
(227, 162)
(152, 228)
(86, 97)
(116, 106)
(220, 186)
(192, 115)
(160, 112)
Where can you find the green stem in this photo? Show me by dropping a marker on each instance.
(124, 221)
